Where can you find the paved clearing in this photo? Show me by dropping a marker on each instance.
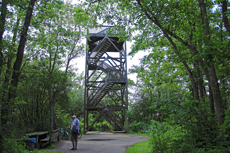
(100, 142)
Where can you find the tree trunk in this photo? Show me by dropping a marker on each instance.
(193, 83)
(211, 100)
(199, 80)
(20, 53)
(211, 69)
(225, 101)
(8, 64)
(2, 29)
(51, 108)
(217, 96)
(224, 13)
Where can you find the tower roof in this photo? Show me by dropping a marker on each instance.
(102, 31)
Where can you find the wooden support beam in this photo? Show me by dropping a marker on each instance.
(95, 120)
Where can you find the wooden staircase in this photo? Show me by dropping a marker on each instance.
(100, 93)
(99, 51)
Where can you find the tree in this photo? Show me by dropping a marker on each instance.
(59, 40)
(6, 103)
(17, 64)
(224, 14)
(2, 29)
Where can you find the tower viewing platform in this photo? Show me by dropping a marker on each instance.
(106, 78)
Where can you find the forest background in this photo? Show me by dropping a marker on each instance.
(181, 96)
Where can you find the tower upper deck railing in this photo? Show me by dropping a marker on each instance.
(103, 31)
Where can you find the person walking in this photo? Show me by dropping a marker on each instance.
(74, 130)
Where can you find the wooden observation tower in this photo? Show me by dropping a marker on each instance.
(106, 93)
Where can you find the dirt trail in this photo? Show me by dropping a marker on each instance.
(100, 142)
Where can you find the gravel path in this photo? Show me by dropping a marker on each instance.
(100, 142)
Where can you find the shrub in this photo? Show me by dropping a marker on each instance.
(167, 138)
(11, 145)
(175, 139)
(139, 127)
(63, 118)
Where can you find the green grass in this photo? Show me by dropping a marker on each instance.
(51, 152)
(144, 134)
(51, 147)
(44, 151)
(142, 147)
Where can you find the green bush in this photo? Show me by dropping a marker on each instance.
(139, 127)
(100, 126)
(167, 138)
(209, 150)
(12, 146)
(63, 118)
(175, 139)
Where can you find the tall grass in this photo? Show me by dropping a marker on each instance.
(142, 147)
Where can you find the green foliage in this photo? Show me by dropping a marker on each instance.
(225, 128)
(53, 40)
(142, 147)
(100, 125)
(63, 118)
(82, 123)
(167, 138)
(180, 49)
(218, 150)
(11, 145)
(51, 147)
(170, 138)
(138, 127)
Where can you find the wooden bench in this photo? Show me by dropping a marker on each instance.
(54, 134)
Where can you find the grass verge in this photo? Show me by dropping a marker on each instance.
(44, 151)
(51, 147)
(142, 147)
(51, 152)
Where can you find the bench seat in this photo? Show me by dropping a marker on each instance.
(53, 135)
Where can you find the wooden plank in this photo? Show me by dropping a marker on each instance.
(37, 133)
(54, 134)
(57, 130)
(46, 139)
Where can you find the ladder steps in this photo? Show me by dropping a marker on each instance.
(105, 45)
(111, 116)
(100, 94)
